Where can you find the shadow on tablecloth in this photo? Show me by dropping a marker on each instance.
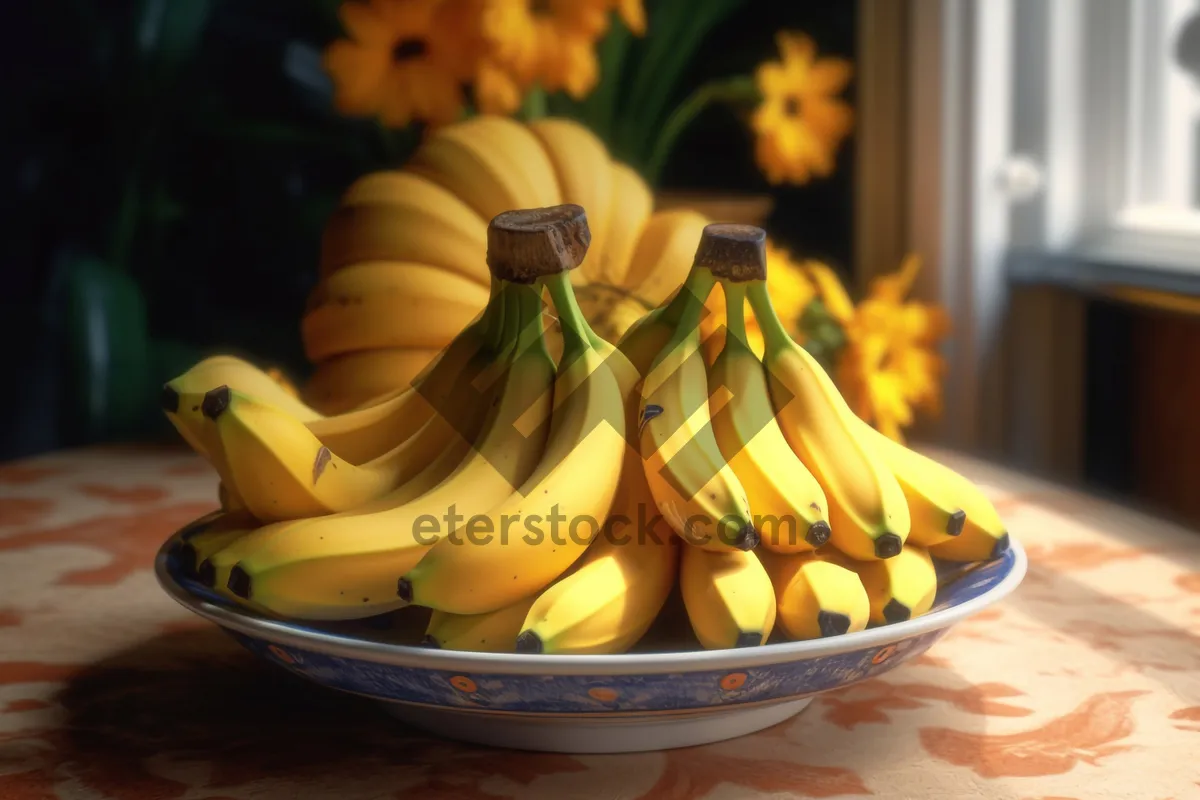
(190, 708)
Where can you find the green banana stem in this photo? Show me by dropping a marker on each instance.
(685, 308)
(577, 333)
(735, 311)
(492, 321)
(775, 335)
(528, 327)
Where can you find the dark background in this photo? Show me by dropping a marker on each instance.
(165, 175)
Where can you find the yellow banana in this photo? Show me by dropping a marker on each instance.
(631, 207)
(950, 515)
(201, 543)
(356, 436)
(574, 483)
(695, 489)
(729, 597)
(402, 216)
(355, 381)
(378, 321)
(900, 588)
(432, 284)
(815, 597)
(609, 603)
(789, 505)
(346, 565)
(664, 253)
(237, 373)
(281, 471)
(585, 177)
(868, 514)
(491, 632)
(495, 163)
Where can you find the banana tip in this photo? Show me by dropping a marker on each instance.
(749, 639)
(1001, 546)
(206, 573)
(215, 402)
(895, 611)
(747, 538)
(832, 623)
(818, 534)
(169, 399)
(239, 582)
(187, 557)
(431, 642)
(888, 545)
(404, 590)
(529, 643)
(954, 525)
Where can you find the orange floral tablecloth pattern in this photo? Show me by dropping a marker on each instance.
(1083, 684)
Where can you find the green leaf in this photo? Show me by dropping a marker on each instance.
(168, 32)
(600, 107)
(682, 29)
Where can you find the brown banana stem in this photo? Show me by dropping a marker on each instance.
(527, 244)
(732, 252)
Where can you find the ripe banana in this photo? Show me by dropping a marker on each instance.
(788, 503)
(201, 543)
(729, 597)
(900, 588)
(695, 489)
(402, 216)
(585, 177)
(664, 253)
(495, 163)
(632, 205)
(357, 436)
(346, 565)
(344, 324)
(492, 632)
(868, 514)
(950, 515)
(575, 483)
(609, 603)
(432, 284)
(237, 373)
(355, 381)
(815, 597)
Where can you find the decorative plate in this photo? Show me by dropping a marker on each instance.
(661, 696)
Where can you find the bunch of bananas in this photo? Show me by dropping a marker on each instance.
(402, 266)
(552, 503)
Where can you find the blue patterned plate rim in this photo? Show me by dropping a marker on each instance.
(343, 646)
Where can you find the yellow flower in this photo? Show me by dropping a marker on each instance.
(400, 64)
(791, 291)
(889, 366)
(549, 42)
(801, 121)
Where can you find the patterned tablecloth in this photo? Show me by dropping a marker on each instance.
(1084, 684)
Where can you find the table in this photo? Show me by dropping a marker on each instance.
(1083, 684)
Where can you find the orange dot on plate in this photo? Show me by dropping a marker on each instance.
(463, 684)
(281, 654)
(603, 694)
(884, 654)
(734, 680)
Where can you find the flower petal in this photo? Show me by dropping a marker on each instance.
(633, 14)
(358, 74)
(828, 76)
(829, 288)
(797, 49)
